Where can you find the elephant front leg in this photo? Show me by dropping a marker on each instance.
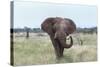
(56, 47)
(58, 50)
(61, 51)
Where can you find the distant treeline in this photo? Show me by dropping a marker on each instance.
(34, 30)
(38, 30)
(87, 30)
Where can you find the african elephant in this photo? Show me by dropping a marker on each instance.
(58, 29)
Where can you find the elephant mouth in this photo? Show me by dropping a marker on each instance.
(64, 43)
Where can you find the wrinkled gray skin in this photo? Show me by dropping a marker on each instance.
(58, 29)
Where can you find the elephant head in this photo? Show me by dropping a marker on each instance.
(58, 29)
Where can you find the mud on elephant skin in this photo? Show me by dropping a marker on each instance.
(58, 29)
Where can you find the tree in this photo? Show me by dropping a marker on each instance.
(27, 30)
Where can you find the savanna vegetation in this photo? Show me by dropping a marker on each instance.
(38, 49)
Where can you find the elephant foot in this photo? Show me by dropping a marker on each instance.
(59, 56)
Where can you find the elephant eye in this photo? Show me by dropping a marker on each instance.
(65, 30)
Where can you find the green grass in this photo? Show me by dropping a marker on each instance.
(39, 50)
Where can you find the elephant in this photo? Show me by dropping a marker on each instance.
(58, 29)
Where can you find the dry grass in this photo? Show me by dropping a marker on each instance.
(39, 50)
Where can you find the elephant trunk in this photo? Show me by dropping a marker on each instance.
(62, 40)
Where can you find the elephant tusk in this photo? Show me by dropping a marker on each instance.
(71, 42)
(64, 44)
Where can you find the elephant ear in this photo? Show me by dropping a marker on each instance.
(47, 25)
(71, 25)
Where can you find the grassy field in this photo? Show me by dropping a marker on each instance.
(39, 50)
